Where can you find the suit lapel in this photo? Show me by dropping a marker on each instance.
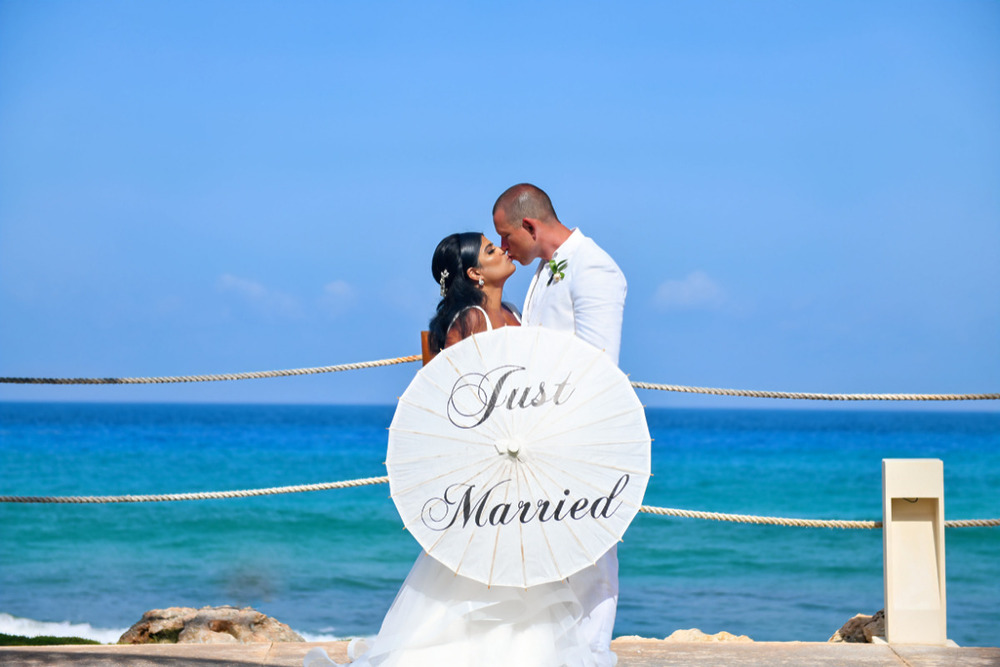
(534, 293)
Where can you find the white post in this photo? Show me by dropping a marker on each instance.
(913, 551)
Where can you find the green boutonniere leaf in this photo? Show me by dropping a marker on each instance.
(557, 270)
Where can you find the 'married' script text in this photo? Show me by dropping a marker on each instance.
(461, 505)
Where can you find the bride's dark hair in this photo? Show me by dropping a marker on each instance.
(452, 258)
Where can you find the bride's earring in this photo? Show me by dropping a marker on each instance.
(481, 282)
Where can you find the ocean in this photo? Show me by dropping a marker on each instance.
(328, 563)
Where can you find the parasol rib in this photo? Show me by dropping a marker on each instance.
(581, 405)
(548, 543)
(472, 533)
(581, 425)
(600, 443)
(496, 538)
(602, 524)
(605, 466)
(547, 420)
(479, 465)
(444, 533)
(520, 529)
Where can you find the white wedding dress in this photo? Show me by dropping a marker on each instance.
(440, 619)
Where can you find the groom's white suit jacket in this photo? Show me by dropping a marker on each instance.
(588, 301)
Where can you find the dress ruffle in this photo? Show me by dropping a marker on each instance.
(440, 619)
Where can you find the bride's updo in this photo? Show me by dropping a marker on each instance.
(455, 255)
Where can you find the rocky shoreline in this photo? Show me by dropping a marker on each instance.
(232, 625)
(861, 629)
(208, 625)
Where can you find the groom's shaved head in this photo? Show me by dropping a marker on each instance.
(527, 224)
(525, 200)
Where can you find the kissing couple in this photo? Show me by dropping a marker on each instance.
(439, 618)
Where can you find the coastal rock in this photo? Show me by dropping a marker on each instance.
(208, 625)
(861, 629)
(696, 635)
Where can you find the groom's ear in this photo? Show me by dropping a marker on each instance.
(531, 226)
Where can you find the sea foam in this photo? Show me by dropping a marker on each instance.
(26, 627)
(322, 636)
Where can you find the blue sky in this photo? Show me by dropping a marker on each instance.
(803, 195)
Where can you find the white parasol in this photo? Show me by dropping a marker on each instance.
(518, 456)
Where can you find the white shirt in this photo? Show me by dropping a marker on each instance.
(589, 300)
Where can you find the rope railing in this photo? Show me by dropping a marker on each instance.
(202, 495)
(763, 520)
(812, 396)
(253, 375)
(367, 481)
(663, 511)
(257, 375)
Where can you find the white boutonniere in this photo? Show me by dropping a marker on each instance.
(557, 271)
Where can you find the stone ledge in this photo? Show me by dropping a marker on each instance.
(632, 652)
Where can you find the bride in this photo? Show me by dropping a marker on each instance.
(440, 619)
(471, 272)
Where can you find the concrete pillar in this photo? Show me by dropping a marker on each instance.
(913, 551)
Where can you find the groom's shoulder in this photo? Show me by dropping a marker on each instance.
(595, 254)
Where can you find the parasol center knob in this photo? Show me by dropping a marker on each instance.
(508, 446)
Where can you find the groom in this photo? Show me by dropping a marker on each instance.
(586, 292)
(577, 287)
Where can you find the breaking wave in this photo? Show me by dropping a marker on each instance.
(26, 627)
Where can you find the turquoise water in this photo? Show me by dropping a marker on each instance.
(329, 563)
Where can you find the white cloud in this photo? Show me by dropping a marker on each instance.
(697, 290)
(337, 296)
(242, 286)
(261, 298)
(338, 289)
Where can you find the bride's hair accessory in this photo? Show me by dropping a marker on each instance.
(557, 270)
(444, 274)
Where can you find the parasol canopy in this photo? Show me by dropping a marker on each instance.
(518, 456)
